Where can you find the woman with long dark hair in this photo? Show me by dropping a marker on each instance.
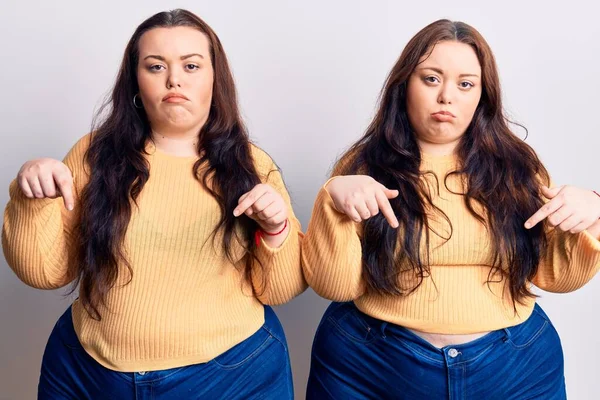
(430, 234)
(176, 229)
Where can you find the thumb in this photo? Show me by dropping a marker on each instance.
(242, 197)
(391, 193)
(551, 193)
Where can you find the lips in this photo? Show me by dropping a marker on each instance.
(175, 97)
(447, 113)
(443, 116)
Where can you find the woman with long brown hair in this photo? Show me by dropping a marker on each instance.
(430, 234)
(176, 229)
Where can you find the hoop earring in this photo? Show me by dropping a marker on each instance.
(135, 104)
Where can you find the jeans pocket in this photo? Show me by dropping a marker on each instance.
(245, 351)
(351, 323)
(525, 334)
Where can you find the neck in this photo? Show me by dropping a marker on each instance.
(176, 144)
(437, 149)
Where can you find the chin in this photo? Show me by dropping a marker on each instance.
(445, 137)
(180, 123)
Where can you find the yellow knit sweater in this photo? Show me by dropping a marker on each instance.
(455, 299)
(186, 302)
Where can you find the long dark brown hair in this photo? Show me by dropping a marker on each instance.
(502, 174)
(119, 170)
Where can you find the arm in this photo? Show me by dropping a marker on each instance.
(332, 252)
(37, 235)
(279, 278)
(332, 249)
(573, 255)
(571, 261)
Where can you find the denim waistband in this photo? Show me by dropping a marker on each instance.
(459, 353)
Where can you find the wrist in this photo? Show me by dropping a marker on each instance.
(271, 231)
(274, 230)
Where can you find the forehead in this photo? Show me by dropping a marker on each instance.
(176, 41)
(452, 56)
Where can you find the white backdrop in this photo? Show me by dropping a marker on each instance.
(308, 75)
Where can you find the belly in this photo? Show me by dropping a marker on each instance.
(440, 340)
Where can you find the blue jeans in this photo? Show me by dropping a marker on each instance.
(257, 368)
(356, 356)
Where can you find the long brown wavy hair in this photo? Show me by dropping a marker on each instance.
(502, 174)
(119, 170)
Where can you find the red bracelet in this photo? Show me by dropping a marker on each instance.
(260, 233)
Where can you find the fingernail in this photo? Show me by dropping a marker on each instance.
(527, 225)
(236, 213)
(70, 207)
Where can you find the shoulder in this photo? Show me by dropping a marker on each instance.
(80, 147)
(76, 154)
(263, 162)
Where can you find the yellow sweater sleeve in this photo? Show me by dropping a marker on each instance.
(37, 234)
(332, 252)
(570, 262)
(284, 279)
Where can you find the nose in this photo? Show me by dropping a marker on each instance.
(446, 94)
(173, 80)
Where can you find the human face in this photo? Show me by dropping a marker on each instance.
(175, 76)
(442, 96)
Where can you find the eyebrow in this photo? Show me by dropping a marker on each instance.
(185, 57)
(439, 71)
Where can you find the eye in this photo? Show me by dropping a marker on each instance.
(192, 67)
(466, 85)
(156, 67)
(431, 79)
